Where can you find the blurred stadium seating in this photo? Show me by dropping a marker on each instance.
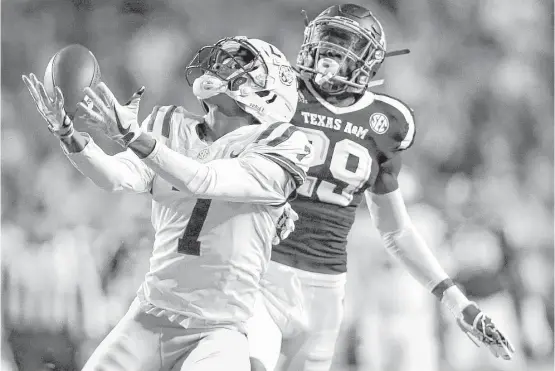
(479, 180)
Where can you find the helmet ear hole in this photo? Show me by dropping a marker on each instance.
(262, 93)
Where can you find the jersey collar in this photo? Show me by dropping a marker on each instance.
(362, 103)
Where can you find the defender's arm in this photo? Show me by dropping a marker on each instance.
(400, 237)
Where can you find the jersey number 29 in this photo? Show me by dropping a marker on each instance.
(350, 165)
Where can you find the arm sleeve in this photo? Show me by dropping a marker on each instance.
(121, 172)
(401, 239)
(250, 178)
(259, 175)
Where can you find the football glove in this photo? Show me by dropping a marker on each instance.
(119, 122)
(52, 110)
(481, 329)
(285, 224)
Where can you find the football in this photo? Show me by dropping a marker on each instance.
(72, 69)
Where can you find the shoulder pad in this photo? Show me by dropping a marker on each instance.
(400, 119)
(162, 117)
(287, 146)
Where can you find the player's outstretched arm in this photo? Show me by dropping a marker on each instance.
(121, 172)
(252, 177)
(400, 237)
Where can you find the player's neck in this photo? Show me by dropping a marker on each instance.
(219, 124)
(338, 100)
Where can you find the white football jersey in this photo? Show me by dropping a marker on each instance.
(209, 254)
(212, 238)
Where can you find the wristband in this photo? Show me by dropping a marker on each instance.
(69, 133)
(440, 288)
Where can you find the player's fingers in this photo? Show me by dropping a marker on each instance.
(137, 95)
(290, 225)
(281, 221)
(284, 234)
(40, 88)
(87, 113)
(506, 343)
(33, 79)
(32, 90)
(44, 95)
(59, 97)
(494, 350)
(41, 107)
(294, 215)
(504, 350)
(98, 102)
(105, 93)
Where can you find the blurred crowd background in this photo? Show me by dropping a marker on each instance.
(478, 181)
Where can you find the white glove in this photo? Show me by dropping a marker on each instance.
(52, 110)
(119, 122)
(285, 225)
(481, 329)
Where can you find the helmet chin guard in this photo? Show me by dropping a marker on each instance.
(207, 86)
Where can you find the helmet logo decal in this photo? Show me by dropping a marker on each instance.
(236, 83)
(286, 75)
(379, 123)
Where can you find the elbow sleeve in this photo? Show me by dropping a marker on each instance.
(388, 212)
(403, 241)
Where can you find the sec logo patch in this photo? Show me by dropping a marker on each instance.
(302, 98)
(379, 123)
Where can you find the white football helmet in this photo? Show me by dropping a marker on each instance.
(252, 72)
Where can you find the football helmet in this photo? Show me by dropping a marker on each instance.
(343, 49)
(252, 72)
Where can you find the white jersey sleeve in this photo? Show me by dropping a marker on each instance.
(266, 172)
(286, 146)
(121, 172)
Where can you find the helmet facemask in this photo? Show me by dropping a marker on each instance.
(340, 56)
(229, 65)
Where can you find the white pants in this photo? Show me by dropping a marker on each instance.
(310, 323)
(144, 342)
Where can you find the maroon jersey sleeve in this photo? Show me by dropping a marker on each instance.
(398, 121)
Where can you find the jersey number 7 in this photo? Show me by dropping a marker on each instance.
(189, 244)
(350, 164)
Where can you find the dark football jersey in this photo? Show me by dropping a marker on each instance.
(349, 145)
